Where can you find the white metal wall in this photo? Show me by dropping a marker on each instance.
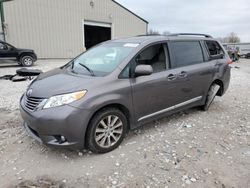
(53, 28)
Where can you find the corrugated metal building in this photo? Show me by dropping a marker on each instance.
(65, 28)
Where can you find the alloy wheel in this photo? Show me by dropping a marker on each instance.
(108, 131)
(27, 61)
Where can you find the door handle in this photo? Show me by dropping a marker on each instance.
(171, 77)
(183, 74)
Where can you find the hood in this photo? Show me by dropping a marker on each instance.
(58, 81)
(24, 50)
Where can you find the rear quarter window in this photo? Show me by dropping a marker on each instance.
(214, 48)
(186, 53)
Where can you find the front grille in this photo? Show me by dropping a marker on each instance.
(32, 103)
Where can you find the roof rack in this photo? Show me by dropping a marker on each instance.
(148, 35)
(178, 34)
(190, 34)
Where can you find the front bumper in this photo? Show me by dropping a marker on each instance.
(49, 126)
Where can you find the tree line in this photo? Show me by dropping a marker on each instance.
(230, 38)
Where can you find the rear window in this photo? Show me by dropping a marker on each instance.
(187, 53)
(214, 48)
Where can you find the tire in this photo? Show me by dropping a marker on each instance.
(27, 61)
(213, 90)
(102, 136)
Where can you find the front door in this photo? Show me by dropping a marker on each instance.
(154, 93)
(7, 51)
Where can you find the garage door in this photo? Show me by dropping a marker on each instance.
(95, 33)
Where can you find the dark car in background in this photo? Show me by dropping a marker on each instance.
(24, 57)
(119, 85)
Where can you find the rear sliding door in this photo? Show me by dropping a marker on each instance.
(194, 73)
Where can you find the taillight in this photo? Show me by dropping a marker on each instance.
(230, 61)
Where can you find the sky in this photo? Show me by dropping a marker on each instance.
(215, 17)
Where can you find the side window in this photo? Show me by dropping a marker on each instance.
(214, 48)
(126, 72)
(187, 53)
(154, 56)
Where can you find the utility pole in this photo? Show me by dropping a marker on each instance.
(2, 17)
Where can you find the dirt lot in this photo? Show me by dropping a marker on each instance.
(188, 149)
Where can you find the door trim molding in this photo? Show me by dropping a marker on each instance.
(171, 108)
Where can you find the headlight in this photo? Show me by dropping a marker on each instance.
(60, 100)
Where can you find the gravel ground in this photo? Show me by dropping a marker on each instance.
(188, 149)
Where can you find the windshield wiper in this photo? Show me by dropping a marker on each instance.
(88, 69)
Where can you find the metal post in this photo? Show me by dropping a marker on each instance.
(2, 18)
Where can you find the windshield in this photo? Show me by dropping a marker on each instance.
(101, 60)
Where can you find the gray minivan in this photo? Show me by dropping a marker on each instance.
(92, 101)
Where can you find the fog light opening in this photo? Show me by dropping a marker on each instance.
(60, 139)
(63, 139)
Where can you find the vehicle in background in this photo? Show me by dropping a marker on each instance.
(24, 57)
(233, 53)
(243, 49)
(121, 84)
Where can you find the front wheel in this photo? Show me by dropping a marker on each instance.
(27, 61)
(106, 130)
(213, 90)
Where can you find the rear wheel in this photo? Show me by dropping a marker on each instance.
(213, 90)
(27, 61)
(106, 130)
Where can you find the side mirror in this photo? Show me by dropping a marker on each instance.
(143, 70)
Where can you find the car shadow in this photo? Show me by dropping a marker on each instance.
(79, 154)
(161, 122)
(8, 64)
